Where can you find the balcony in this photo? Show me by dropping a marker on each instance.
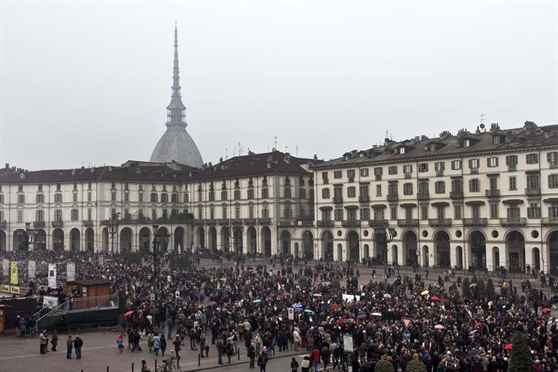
(475, 222)
(456, 194)
(306, 223)
(440, 222)
(408, 176)
(39, 224)
(492, 193)
(235, 221)
(57, 223)
(474, 170)
(87, 223)
(439, 173)
(181, 218)
(337, 200)
(364, 199)
(378, 224)
(423, 196)
(223, 221)
(553, 165)
(287, 223)
(250, 221)
(351, 179)
(350, 223)
(413, 222)
(325, 223)
(212, 222)
(546, 221)
(305, 217)
(394, 197)
(514, 221)
(532, 191)
(3, 224)
(265, 221)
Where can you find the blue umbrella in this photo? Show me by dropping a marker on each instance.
(298, 304)
(257, 301)
(298, 309)
(308, 311)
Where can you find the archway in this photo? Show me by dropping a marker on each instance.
(125, 240)
(365, 251)
(353, 244)
(201, 237)
(410, 248)
(105, 240)
(516, 251)
(395, 254)
(553, 252)
(3, 240)
(536, 259)
(266, 241)
(308, 244)
(442, 244)
(459, 256)
(58, 239)
(425, 252)
(17, 245)
(164, 239)
(212, 237)
(477, 243)
(90, 240)
(297, 251)
(327, 245)
(144, 238)
(340, 252)
(40, 240)
(495, 258)
(179, 240)
(286, 243)
(75, 240)
(238, 239)
(252, 240)
(381, 244)
(225, 239)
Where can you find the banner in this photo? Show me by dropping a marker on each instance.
(50, 302)
(6, 267)
(52, 275)
(32, 269)
(13, 273)
(348, 343)
(5, 288)
(70, 271)
(14, 290)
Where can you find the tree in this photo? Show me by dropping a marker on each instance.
(490, 290)
(481, 289)
(520, 357)
(415, 366)
(384, 366)
(465, 289)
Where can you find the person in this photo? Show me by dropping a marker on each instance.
(145, 366)
(316, 358)
(252, 355)
(294, 365)
(54, 340)
(262, 360)
(202, 343)
(16, 325)
(78, 343)
(229, 350)
(163, 344)
(258, 342)
(69, 347)
(305, 365)
(220, 350)
(120, 343)
(177, 346)
(22, 327)
(156, 343)
(168, 361)
(43, 341)
(150, 342)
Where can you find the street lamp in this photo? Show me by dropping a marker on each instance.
(26, 237)
(113, 222)
(158, 238)
(388, 234)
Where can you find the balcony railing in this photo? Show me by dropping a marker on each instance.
(492, 193)
(475, 222)
(87, 223)
(439, 173)
(413, 222)
(287, 223)
(305, 217)
(325, 181)
(408, 175)
(324, 223)
(182, 218)
(306, 223)
(211, 222)
(378, 224)
(423, 196)
(57, 223)
(474, 170)
(394, 197)
(364, 199)
(39, 224)
(549, 221)
(350, 223)
(265, 221)
(456, 194)
(3, 224)
(532, 191)
(514, 221)
(440, 222)
(337, 200)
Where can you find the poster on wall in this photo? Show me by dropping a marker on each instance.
(50, 302)
(52, 275)
(70, 271)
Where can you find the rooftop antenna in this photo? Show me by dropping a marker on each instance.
(234, 152)
(239, 149)
(286, 148)
(275, 146)
(296, 151)
(481, 125)
(226, 154)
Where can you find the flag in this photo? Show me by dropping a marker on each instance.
(13, 273)
(32, 269)
(52, 275)
(70, 271)
(468, 311)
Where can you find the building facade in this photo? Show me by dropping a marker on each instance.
(482, 199)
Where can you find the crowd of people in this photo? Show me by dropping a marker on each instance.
(264, 308)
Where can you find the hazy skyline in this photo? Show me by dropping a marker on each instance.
(87, 83)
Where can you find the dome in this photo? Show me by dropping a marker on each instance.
(177, 144)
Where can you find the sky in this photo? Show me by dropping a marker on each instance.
(87, 83)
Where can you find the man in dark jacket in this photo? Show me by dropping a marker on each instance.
(78, 343)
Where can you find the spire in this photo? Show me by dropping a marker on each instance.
(176, 110)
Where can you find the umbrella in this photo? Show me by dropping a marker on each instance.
(376, 314)
(297, 305)
(473, 352)
(286, 294)
(546, 310)
(439, 326)
(424, 293)
(128, 313)
(308, 311)
(298, 309)
(473, 285)
(334, 306)
(211, 303)
(257, 301)
(387, 295)
(361, 312)
(317, 295)
(435, 298)
(362, 316)
(508, 347)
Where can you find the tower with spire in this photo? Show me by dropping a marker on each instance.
(176, 143)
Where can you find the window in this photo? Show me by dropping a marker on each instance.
(58, 187)
(154, 197)
(325, 178)
(19, 216)
(364, 214)
(408, 169)
(224, 212)
(224, 194)
(496, 140)
(112, 196)
(423, 167)
(378, 171)
(200, 194)
(1, 199)
(513, 183)
(532, 158)
(474, 166)
(89, 196)
(351, 173)
(39, 215)
(75, 197)
(251, 193)
(288, 191)
(364, 172)
(439, 167)
(39, 188)
(553, 211)
(140, 197)
(58, 215)
(423, 188)
(441, 212)
(552, 158)
(237, 211)
(379, 214)
(494, 210)
(154, 214)
(402, 150)
(511, 162)
(338, 214)
(21, 199)
(89, 214)
(338, 193)
(363, 191)
(392, 169)
(408, 188)
(74, 215)
(393, 212)
(265, 192)
(164, 198)
(325, 193)
(210, 196)
(113, 185)
(40, 198)
(251, 212)
(326, 215)
(337, 174)
(424, 212)
(553, 181)
(392, 189)
(165, 214)
(456, 165)
(466, 143)
(534, 210)
(302, 193)
(457, 212)
(533, 182)
(58, 197)
(20, 188)
(378, 190)
(514, 211)
(174, 198)
(475, 211)
(474, 185)
(457, 186)
(492, 162)
(440, 187)
(351, 192)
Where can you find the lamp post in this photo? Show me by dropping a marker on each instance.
(388, 238)
(158, 238)
(112, 232)
(26, 237)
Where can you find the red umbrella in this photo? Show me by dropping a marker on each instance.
(546, 310)
(334, 306)
(508, 347)
(435, 298)
(286, 294)
(128, 313)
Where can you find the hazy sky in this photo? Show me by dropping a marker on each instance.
(88, 82)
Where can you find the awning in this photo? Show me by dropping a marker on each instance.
(513, 201)
(475, 202)
(408, 205)
(440, 204)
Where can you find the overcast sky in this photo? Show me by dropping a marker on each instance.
(88, 82)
